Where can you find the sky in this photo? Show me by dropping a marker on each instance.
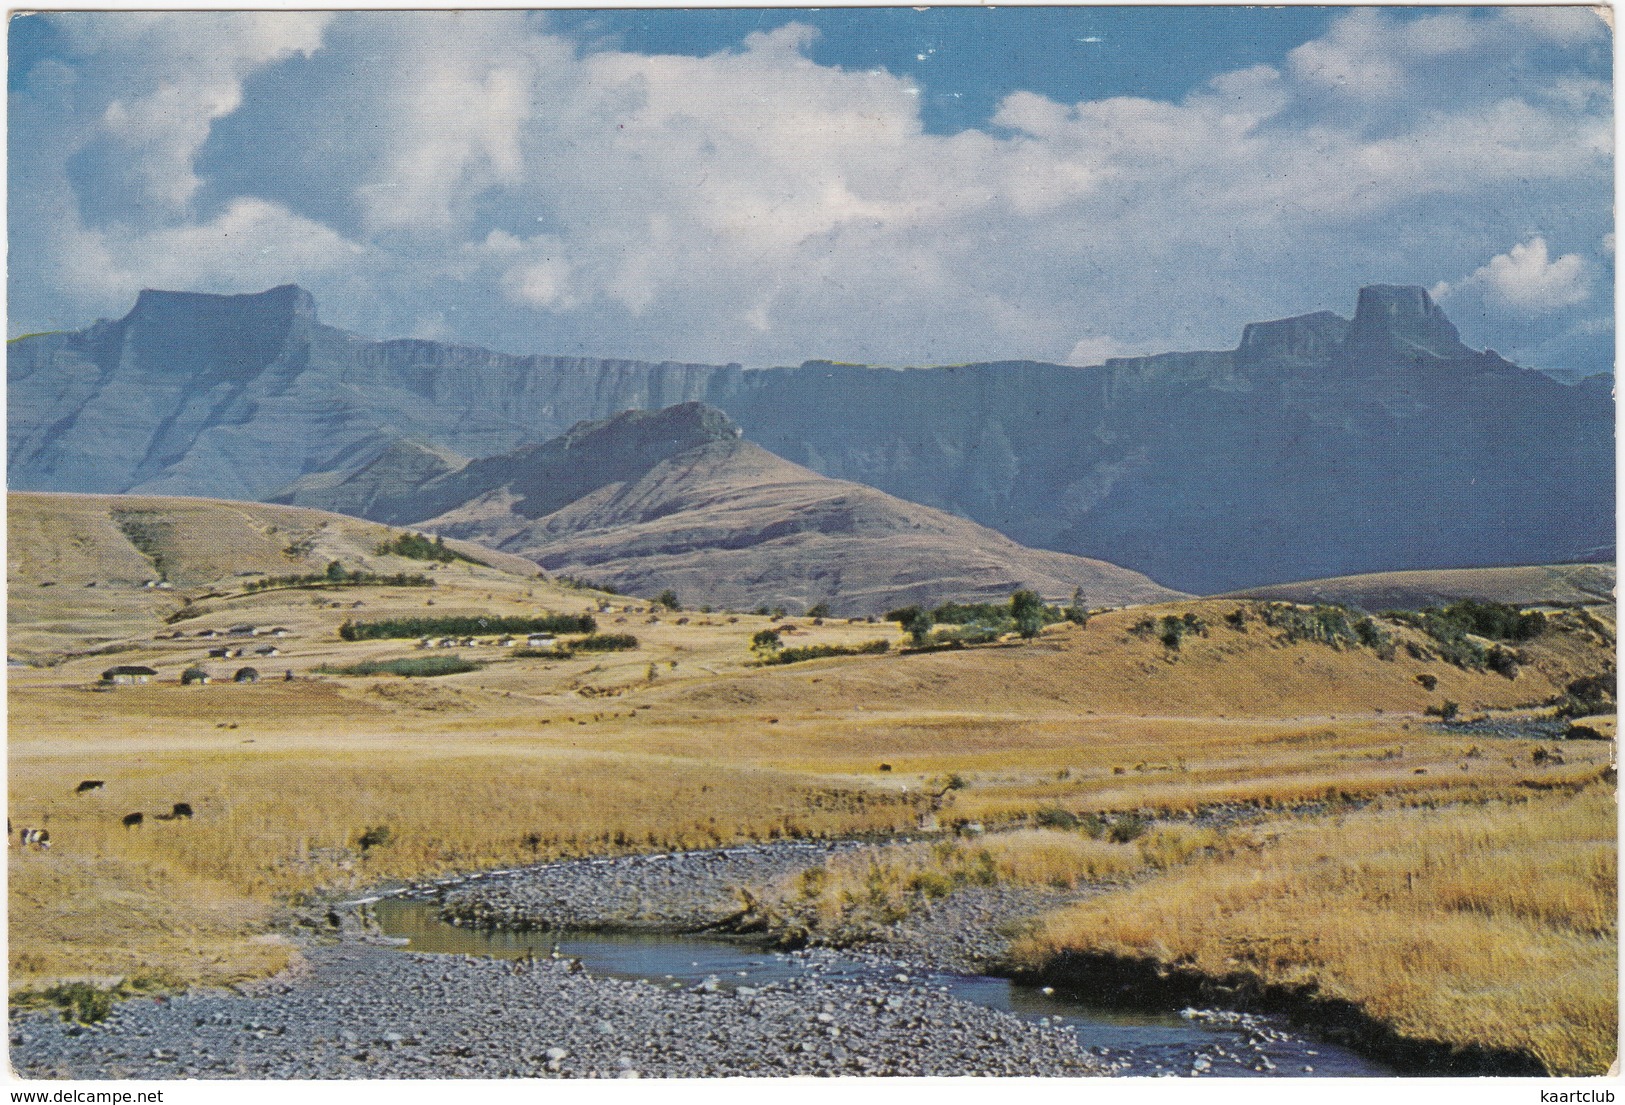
(767, 186)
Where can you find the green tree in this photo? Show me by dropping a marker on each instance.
(1078, 612)
(818, 610)
(335, 572)
(1028, 611)
(767, 640)
(918, 627)
(668, 599)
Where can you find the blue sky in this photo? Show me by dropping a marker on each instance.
(768, 185)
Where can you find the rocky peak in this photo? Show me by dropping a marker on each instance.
(1397, 323)
(654, 435)
(1290, 341)
(199, 334)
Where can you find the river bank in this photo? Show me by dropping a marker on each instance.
(360, 1007)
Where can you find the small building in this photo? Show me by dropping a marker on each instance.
(246, 675)
(193, 675)
(127, 674)
(541, 640)
(505, 642)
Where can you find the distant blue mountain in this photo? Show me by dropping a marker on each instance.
(1320, 446)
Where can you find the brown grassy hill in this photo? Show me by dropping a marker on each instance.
(676, 499)
(1115, 666)
(84, 570)
(1531, 585)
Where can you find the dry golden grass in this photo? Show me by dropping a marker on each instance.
(855, 895)
(1494, 924)
(686, 743)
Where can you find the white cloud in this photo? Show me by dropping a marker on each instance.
(1528, 281)
(1094, 349)
(513, 187)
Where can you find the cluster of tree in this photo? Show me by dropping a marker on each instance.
(465, 625)
(980, 622)
(415, 546)
(337, 575)
(407, 666)
(775, 655)
(1496, 620)
(1171, 629)
(1591, 694)
(1328, 624)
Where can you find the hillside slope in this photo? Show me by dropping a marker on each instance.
(677, 499)
(1528, 585)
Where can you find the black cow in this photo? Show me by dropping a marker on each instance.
(131, 820)
(182, 809)
(89, 785)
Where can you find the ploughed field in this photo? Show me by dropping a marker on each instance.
(1285, 784)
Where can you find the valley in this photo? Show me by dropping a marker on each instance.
(1144, 759)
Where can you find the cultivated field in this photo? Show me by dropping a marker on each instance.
(688, 740)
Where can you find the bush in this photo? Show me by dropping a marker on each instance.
(1448, 711)
(80, 1001)
(1127, 828)
(1056, 818)
(768, 639)
(668, 599)
(375, 837)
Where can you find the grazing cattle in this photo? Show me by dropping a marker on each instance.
(182, 809)
(131, 820)
(89, 785)
(39, 838)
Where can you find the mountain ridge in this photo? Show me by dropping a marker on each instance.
(1317, 447)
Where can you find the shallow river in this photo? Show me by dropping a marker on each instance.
(1157, 1043)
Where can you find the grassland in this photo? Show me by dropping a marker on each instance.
(1495, 922)
(690, 741)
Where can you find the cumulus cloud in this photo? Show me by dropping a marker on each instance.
(1528, 281)
(480, 176)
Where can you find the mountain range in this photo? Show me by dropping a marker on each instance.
(1319, 446)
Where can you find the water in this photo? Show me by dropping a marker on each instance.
(1155, 1042)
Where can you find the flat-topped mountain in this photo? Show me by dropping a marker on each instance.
(1320, 446)
(677, 499)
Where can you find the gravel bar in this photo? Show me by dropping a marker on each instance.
(369, 1012)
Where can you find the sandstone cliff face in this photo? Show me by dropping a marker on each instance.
(1320, 446)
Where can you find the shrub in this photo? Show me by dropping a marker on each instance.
(767, 639)
(375, 837)
(668, 599)
(1056, 818)
(818, 610)
(1127, 828)
(80, 1001)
